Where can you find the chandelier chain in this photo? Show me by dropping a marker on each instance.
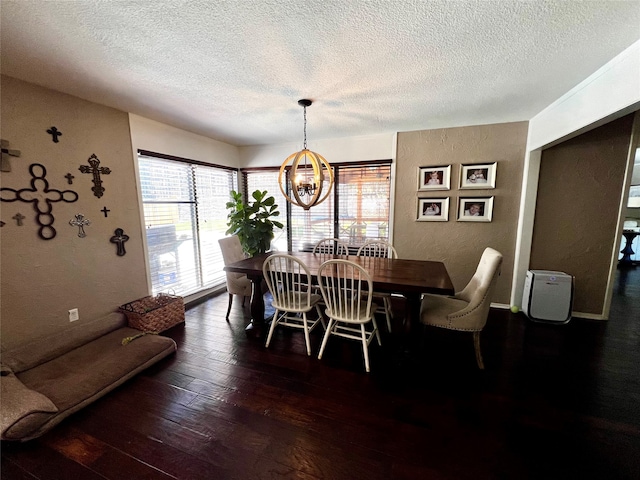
(305, 127)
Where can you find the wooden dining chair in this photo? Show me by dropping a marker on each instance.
(333, 246)
(467, 310)
(347, 291)
(380, 249)
(289, 282)
(237, 283)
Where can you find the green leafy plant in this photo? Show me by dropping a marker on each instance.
(252, 221)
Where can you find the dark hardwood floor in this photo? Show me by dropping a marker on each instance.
(555, 402)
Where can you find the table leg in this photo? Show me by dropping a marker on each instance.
(412, 326)
(406, 342)
(257, 324)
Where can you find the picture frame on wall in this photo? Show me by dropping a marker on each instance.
(478, 175)
(475, 209)
(433, 209)
(434, 178)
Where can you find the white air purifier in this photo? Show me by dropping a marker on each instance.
(548, 296)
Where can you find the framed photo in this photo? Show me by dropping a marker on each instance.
(434, 178)
(475, 209)
(481, 175)
(433, 209)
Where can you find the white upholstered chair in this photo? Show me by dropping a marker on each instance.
(468, 309)
(237, 283)
(331, 246)
(289, 282)
(380, 249)
(347, 291)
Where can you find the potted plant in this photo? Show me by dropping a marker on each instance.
(251, 222)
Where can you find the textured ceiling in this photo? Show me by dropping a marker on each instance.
(234, 70)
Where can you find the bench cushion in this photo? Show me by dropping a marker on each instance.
(52, 346)
(23, 409)
(66, 383)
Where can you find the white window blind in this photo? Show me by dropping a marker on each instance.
(357, 209)
(310, 226)
(363, 210)
(634, 197)
(268, 180)
(184, 215)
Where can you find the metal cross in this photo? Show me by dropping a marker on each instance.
(95, 170)
(105, 210)
(80, 222)
(5, 166)
(119, 238)
(53, 131)
(42, 197)
(18, 217)
(69, 178)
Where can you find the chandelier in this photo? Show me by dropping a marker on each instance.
(307, 173)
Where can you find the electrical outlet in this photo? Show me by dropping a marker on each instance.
(74, 315)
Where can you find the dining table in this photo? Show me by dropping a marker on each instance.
(409, 278)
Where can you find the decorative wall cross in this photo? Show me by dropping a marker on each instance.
(105, 210)
(53, 131)
(119, 238)
(69, 178)
(18, 217)
(5, 166)
(42, 197)
(80, 222)
(95, 169)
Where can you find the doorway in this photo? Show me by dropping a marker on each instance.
(626, 286)
(579, 214)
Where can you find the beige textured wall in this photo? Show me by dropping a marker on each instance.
(42, 279)
(460, 244)
(577, 209)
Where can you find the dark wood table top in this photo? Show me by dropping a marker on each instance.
(388, 275)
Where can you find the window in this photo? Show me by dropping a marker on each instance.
(268, 180)
(364, 194)
(184, 214)
(358, 209)
(634, 197)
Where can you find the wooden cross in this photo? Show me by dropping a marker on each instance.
(119, 238)
(69, 178)
(53, 131)
(95, 170)
(5, 166)
(42, 197)
(18, 217)
(80, 222)
(105, 210)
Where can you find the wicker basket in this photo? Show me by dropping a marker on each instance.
(154, 313)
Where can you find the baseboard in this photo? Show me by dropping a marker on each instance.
(578, 315)
(197, 298)
(588, 316)
(501, 306)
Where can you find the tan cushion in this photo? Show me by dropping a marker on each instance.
(23, 410)
(52, 346)
(86, 373)
(71, 378)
